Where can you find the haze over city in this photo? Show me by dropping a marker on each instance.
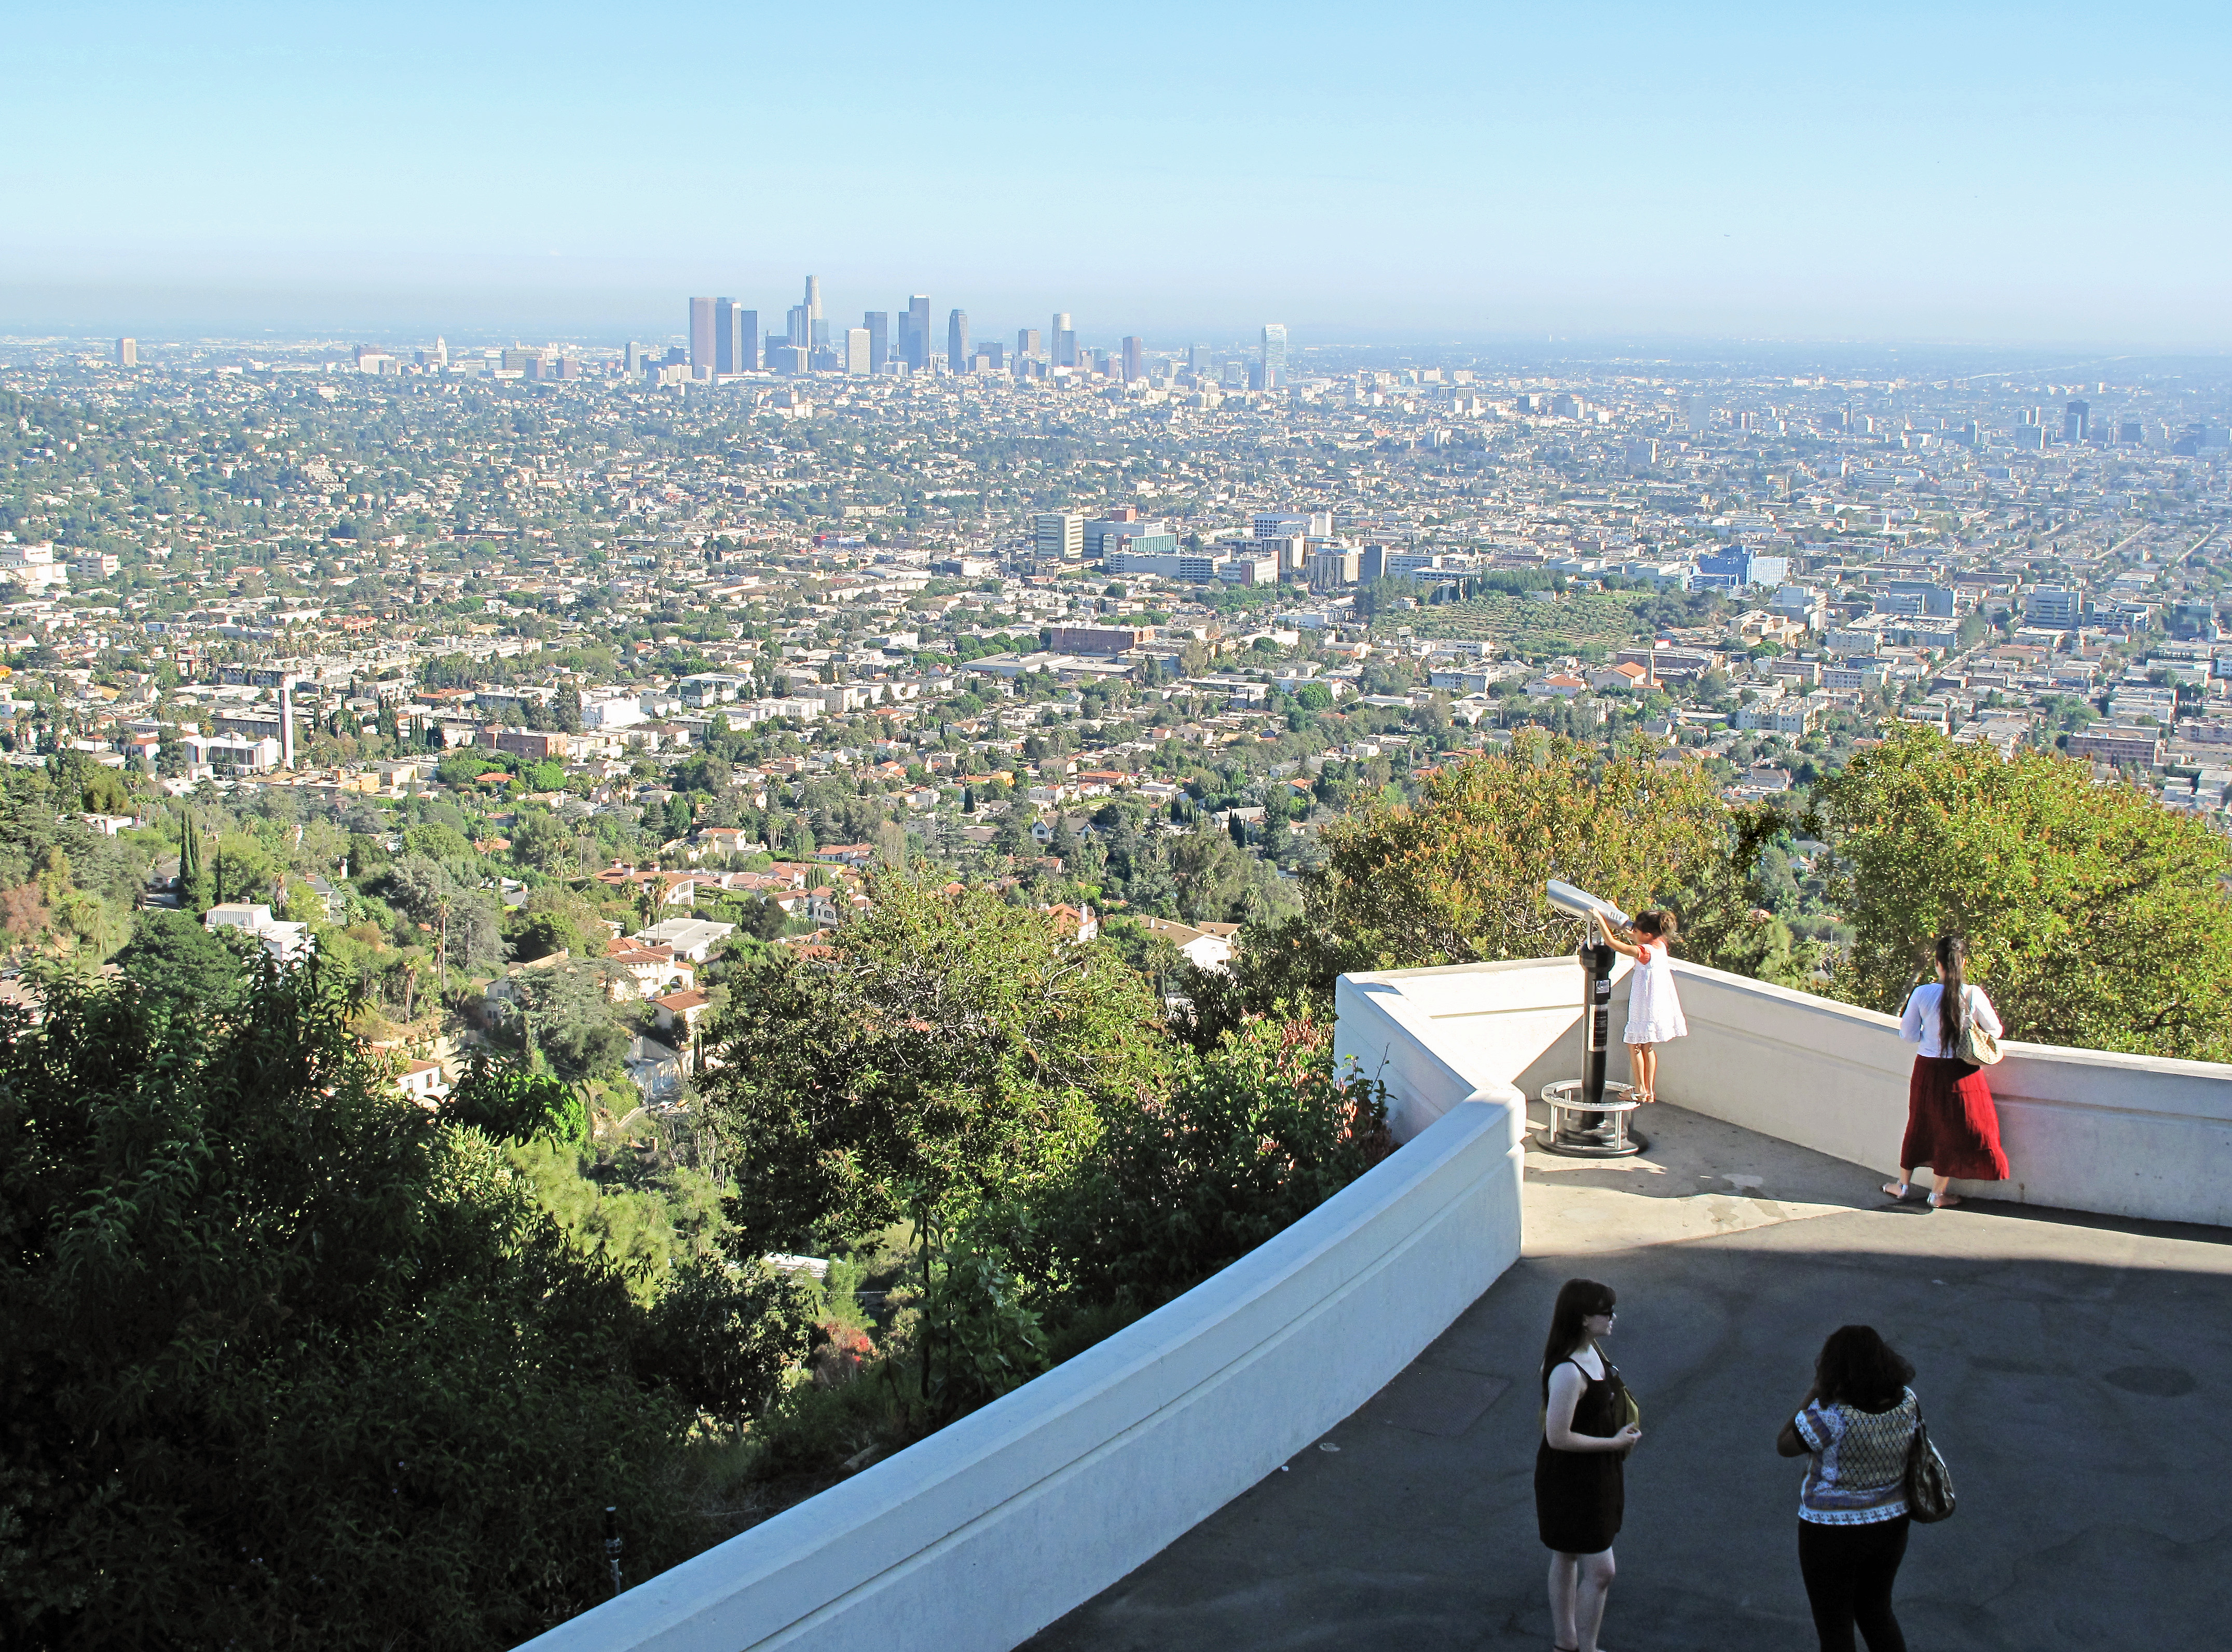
(1986, 173)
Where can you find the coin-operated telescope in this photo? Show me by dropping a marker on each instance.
(1582, 1122)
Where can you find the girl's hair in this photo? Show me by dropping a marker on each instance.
(1953, 957)
(1660, 926)
(1577, 1300)
(1860, 1368)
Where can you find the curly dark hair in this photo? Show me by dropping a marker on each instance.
(1858, 1368)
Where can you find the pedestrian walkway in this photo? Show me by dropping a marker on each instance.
(2075, 1370)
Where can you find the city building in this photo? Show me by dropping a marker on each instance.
(1274, 356)
(735, 337)
(957, 341)
(1059, 536)
(860, 352)
(127, 353)
(701, 335)
(1134, 362)
(878, 325)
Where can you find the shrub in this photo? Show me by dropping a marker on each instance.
(1247, 1139)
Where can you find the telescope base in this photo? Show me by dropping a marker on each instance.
(1580, 1131)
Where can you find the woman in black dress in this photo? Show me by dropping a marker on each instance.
(1579, 1495)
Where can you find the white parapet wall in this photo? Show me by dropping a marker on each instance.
(1438, 1036)
(976, 1538)
(2084, 1129)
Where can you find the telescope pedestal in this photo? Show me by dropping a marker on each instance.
(1582, 1129)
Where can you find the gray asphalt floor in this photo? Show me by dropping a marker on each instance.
(2074, 1371)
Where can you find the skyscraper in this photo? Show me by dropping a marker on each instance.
(729, 334)
(858, 352)
(878, 323)
(915, 343)
(2076, 422)
(127, 353)
(798, 327)
(701, 335)
(813, 298)
(1027, 341)
(1274, 354)
(957, 341)
(1135, 366)
(1197, 359)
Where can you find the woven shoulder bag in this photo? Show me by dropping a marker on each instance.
(1977, 1047)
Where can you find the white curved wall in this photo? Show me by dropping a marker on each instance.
(2085, 1130)
(977, 1536)
(2120, 1135)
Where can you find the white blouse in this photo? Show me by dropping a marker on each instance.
(1919, 1023)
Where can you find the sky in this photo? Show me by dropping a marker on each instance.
(2042, 174)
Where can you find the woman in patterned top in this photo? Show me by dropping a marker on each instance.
(1855, 1421)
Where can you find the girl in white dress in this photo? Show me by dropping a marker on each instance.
(1654, 1012)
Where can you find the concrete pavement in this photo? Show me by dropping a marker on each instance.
(2074, 1371)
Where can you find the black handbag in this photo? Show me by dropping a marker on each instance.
(1928, 1482)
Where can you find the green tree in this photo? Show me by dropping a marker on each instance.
(2094, 916)
(1242, 1141)
(284, 1349)
(954, 1046)
(174, 963)
(1457, 876)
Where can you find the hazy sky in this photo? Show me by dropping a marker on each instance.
(2033, 174)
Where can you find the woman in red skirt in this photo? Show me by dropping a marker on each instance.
(1952, 1125)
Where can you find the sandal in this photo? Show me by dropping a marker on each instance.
(1942, 1201)
(1898, 1190)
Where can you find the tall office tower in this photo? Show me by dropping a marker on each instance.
(2076, 422)
(1061, 330)
(1135, 366)
(878, 324)
(1058, 537)
(1697, 415)
(813, 298)
(748, 341)
(1197, 359)
(1027, 341)
(127, 353)
(957, 341)
(915, 344)
(701, 335)
(859, 355)
(441, 351)
(633, 359)
(798, 327)
(726, 343)
(1274, 354)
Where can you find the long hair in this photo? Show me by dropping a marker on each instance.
(1857, 1366)
(1577, 1300)
(1953, 957)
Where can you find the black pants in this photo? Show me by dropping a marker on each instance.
(1848, 1571)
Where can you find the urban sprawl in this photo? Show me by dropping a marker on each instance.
(720, 623)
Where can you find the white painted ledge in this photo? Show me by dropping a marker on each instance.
(977, 1536)
(2134, 1137)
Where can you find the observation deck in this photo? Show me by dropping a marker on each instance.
(1331, 1443)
